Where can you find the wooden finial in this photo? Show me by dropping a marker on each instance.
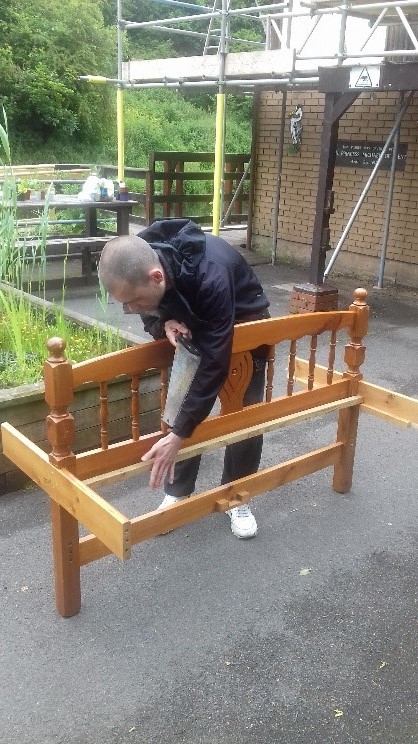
(56, 347)
(360, 297)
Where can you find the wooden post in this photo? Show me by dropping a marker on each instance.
(314, 296)
(149, 197)
(178, 208)
(348, 418)
(167, 184)
(150, 186)
(60, 433)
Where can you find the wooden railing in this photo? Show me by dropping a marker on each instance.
(172, 171)
(169, 184)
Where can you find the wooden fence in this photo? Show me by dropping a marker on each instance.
(170, 186)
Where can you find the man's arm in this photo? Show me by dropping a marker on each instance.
(214, 304)
(165, 450)
(164, 454)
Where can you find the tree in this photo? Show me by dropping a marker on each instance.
(45, 48)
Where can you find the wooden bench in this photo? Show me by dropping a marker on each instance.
(71, 479)
(88, 249)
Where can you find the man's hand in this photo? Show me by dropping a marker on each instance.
(174, 328)
(163, 452)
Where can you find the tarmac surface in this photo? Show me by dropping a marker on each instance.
(305, 635)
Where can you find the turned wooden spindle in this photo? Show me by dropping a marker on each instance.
(58, 377)
(270, 373)
(104, 416)
(331, 357)
(135, 407)
(291, 368)
(312, 361)
(164, 389)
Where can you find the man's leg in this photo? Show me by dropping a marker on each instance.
(185, 474)
(243, 458)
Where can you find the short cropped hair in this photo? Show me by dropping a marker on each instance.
(128, 258)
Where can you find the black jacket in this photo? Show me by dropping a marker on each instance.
(213, 287)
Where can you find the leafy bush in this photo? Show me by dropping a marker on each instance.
(165, 120)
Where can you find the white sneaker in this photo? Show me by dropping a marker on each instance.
(243, 522)
(168, 500)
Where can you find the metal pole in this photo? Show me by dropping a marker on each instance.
(178, 4)
(220, 128)
(237, 192)
(280, 153)
(386, 225)
(279, 179)
(201, 16)
(368, 184)
(249, 85)
(119, 99)
(341, 43)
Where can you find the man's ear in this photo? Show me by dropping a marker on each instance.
(156, 275)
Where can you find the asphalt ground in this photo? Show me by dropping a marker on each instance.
(305, 635)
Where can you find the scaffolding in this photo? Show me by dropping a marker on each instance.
(291, 48)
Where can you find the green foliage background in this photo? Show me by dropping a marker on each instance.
(55, 117)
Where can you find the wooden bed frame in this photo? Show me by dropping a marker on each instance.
(69, 478)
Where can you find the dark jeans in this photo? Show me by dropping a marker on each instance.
(241, 458)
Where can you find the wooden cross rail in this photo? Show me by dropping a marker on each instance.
(395, 408)
(218, 499)
(237, 436)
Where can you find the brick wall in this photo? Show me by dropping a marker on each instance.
(370, 118)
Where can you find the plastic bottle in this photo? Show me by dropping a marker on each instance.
(123, 192)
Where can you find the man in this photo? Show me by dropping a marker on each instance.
(183, 281)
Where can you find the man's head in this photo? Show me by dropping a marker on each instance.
(131, 272)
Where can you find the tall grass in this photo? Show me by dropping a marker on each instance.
(25, 327)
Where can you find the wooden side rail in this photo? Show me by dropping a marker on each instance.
(395, 408)
(69, 478)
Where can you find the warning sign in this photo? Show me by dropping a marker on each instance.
(365, 77)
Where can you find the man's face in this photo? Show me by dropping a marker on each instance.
(141, 297)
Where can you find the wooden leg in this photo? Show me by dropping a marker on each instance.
(86, 260)
(347, 434)
(65, 544)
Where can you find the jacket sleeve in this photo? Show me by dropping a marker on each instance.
(153, 325)
(214, 304)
